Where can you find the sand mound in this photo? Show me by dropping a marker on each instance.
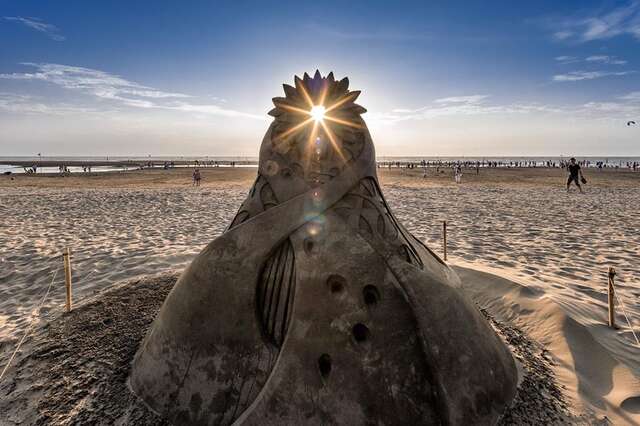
(595, 382)
(74, 369)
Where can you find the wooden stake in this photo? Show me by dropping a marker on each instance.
(611, 290)
(444, 238)
(67, 277)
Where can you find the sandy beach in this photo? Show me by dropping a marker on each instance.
(534, 256)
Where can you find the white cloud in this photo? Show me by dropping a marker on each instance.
(210, 109)
(605, 59)
(566, 59)
(39, 25)
(452, 102)
(597, 58)
(459, 106)
(611, 109)
(588, 75)
(471, 99)
(624, 20)
(631, 97)
(109, 87)
(595, 110)
(25, 104)
(562, 35)
(593, 59)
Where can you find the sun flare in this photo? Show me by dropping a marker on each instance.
(318, 108)
(317, 112)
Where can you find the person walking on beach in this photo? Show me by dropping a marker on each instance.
(458, 173)
(196, 177)
(575, 174)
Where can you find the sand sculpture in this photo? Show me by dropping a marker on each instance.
(316, 306)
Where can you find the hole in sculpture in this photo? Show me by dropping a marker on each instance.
(324, 365)
(336, 283)
(286, 172)
(360, 332)
(371, 295)
(308, 245)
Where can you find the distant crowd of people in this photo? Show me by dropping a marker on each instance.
(477, 164)
(572, 166)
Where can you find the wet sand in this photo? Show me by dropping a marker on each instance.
(516, 223)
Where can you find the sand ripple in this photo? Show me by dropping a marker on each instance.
(561, 244)
(114, 234)
(556, 243)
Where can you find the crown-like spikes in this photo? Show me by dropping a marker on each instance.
(308, 92)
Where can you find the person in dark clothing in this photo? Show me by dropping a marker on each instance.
(575, 174)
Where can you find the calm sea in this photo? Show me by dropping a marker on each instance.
(4, 167)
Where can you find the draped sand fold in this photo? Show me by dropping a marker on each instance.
(316, 306)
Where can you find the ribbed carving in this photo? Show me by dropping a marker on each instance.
(275, 292)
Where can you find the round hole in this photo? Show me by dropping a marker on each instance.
(371, 295)
(360, 332)
(308, 245)
(336, 283)
(324, 365)
(286, 172)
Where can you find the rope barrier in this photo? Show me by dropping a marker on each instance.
(615, 292)
(622, 305)
(6, 367)
(41, 304)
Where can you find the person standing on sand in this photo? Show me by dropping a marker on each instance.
(575, 174)
(458, 173)
(196, 177)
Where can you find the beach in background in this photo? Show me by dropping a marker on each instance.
(126, 163)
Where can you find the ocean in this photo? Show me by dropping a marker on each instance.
(5, 165)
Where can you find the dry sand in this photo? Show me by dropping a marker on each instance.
(92, 348)
(521, 224)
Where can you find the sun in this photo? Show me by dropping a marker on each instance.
(321, 105)
(317, 112)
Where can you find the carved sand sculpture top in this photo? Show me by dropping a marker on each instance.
(316, 306)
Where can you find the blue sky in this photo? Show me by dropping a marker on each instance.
(438, 78)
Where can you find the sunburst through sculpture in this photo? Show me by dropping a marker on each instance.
(316, 306)
(318, 112)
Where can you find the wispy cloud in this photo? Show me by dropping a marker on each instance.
(567, 59)
(588, 75)
(471, 99)
(39, 25)
(593, 59)
(625, 106)
(616, 110)
(631, 97)
(110, 87)
(562, 35)
(600, 25)
(458, 106)
(453, 102)
(27, 104)
(93, 82)
(605, 59)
